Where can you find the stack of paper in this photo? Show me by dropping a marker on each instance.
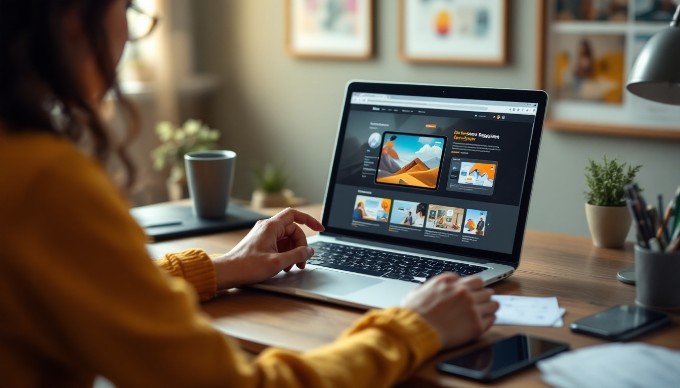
(613, 365)
(528, 311)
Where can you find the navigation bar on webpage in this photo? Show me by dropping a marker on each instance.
(408, 102)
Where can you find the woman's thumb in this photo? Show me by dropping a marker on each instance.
(297, 255)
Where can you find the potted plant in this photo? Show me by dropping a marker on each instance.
(270, 187)
(606, 212)
(175, 141)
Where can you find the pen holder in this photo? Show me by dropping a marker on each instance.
(657, 279)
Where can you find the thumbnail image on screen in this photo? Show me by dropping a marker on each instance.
(410, 160)
(472, 176)
(408, 213)
(475, 222)
(371, 208)
(478, 174)
(444, 218)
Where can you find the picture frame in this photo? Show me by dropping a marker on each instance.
(584, 57)
(330, 29)
(473, 32)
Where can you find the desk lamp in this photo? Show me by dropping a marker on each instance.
(656, 77)
(656, 73)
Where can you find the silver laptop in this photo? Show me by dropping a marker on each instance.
(424, 179)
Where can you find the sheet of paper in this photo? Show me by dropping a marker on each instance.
(528, 311)
(613, 365)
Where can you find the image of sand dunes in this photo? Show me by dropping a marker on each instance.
(416, 173)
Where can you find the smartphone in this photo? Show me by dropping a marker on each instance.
(621, 323)
(503, 357)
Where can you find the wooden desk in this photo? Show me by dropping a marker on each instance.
(581, 276)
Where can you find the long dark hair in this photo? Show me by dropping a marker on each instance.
(40, 89)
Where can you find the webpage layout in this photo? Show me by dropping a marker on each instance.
(446, 176)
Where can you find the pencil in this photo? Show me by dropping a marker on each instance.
(675, 242)
(662, 232)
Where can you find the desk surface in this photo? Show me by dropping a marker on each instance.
(582, 277)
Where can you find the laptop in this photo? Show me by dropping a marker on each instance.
(424, 179)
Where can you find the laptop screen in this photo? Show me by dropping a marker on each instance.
(442, 168)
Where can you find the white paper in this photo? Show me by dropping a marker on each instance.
(528, 311)
(613, 365)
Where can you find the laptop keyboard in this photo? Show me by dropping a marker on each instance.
(385, 264)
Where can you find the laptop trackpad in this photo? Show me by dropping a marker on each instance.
(320, 280)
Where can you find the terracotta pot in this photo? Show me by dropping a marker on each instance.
(262, 199)
(609, 225)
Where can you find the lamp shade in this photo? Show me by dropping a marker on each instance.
(656, 73)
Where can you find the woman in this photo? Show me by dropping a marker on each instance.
(79, 295)
(408, 219)
(360, 212)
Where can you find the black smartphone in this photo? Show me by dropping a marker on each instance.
(621, 323)
(503, 357)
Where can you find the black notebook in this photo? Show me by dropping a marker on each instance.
(170, 220)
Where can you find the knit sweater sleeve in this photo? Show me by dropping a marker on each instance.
(381, 340)
(194, 266)
(112, 312)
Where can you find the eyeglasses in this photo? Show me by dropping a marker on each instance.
(140, 22)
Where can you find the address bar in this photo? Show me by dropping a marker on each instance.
(420, 104)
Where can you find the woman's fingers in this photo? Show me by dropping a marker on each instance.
(288, 216)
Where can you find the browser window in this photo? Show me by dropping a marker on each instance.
(442, 170)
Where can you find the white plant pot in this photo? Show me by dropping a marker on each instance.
(609, 225)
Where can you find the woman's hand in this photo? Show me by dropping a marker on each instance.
(274, 244)
(459, 310)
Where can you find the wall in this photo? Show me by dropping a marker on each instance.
(277, 108)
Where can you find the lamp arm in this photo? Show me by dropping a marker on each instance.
(676, 17)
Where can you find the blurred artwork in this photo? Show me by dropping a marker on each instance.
(330, 17)
(330, 27)
(442, 19)
(592, 10)
(589, 68)
(654, 10)
(453, 29)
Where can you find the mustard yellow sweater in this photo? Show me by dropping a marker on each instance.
(80, 297)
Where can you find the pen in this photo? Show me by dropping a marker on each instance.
(641, 234)
(647, 219)
(653, 217)
(162, 224)
(640, 208)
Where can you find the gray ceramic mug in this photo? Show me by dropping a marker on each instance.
(657, 279)
(210, 175)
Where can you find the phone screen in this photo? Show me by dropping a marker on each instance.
(620, 322)
(502, 357)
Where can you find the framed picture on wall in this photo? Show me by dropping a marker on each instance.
(333, 29)
(586, 50)
(461, 31)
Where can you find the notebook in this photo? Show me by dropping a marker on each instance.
(424, 179)
(168, 220)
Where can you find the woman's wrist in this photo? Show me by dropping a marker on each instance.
(224, 273)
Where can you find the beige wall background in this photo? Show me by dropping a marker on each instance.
(276, 108)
